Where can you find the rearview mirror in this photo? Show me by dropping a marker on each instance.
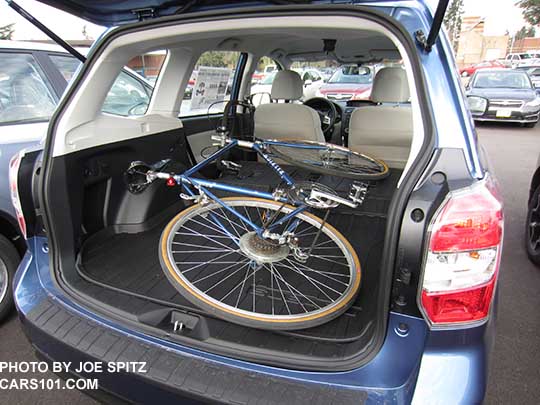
(477, 105)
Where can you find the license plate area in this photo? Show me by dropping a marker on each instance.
(504, 113)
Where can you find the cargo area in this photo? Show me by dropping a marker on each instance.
(120, 269)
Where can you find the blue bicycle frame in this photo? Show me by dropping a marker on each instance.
(186, 179)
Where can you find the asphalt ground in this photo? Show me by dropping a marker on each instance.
(515, 362)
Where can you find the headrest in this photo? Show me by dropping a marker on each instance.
(390, 86)
(287, 85)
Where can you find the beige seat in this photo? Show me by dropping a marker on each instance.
(385, 131)
(287, 120)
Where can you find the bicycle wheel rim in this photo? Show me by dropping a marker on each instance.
(263, 320)
(339, 161)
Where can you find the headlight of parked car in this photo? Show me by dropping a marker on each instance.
(477, 105)
(533, 103)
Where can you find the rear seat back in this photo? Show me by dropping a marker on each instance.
(385, 130)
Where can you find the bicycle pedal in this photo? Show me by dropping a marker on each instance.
(358, 192)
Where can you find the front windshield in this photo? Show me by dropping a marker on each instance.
(502, 80)
(352, 74)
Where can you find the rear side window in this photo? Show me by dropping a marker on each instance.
(67, 65)
(25, 95)
(129, 95)
(209, 86)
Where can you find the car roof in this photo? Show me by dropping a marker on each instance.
(36, 46)
(498, 70)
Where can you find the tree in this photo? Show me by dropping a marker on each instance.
(212, 58)
(531, 10)
(6, 31)
(525, 32)
(452, 21)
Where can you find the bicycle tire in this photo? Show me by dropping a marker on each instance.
(304, 154)
(275, 312)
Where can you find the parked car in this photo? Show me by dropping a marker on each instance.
(33, 77)
(312, 81)
(522, 58)
(348, 82)
(534, 73)
(418, 325)
(532, 224)
(471, 69)
(510, 95)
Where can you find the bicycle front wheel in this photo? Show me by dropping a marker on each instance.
(329, 159)
(216, 261)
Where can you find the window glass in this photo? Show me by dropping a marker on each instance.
(210, 84)
(502, 79)
(352, 74)
(24, 94)
(129, 95)
(67, 65)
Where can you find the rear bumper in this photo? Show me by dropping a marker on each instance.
(60, 330)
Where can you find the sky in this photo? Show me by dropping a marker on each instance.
(501, 15)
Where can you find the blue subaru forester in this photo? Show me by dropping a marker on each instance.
(369, 274)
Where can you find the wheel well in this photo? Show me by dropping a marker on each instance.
(11, 231)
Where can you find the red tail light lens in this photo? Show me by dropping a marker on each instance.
(462, 262)
(468, 222)
(14, 165)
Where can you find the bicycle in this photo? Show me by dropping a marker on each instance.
(262, 259)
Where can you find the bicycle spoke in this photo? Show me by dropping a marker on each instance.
(299, 292)
(282, 296)
(215, 241)
(330, 260)
(242, 288)
(199, 264)
(222, 280)
(218, 272)
(210, 225)
(311, 278)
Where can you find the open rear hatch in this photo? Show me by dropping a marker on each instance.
(116, 271)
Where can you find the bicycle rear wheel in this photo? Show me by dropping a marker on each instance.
(329, 159)
(217, 262)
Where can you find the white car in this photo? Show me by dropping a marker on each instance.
(312, 79)
(33, 78)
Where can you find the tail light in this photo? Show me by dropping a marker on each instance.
(14, 165)
(464, 250)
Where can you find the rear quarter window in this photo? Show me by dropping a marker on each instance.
(25, 94)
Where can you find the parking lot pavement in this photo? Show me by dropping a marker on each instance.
(515, 365)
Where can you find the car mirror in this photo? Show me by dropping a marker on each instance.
(477, 105)
(308, 82)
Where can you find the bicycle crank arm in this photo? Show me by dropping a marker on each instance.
(317, 195)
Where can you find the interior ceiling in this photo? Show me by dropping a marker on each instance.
(307, 44)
